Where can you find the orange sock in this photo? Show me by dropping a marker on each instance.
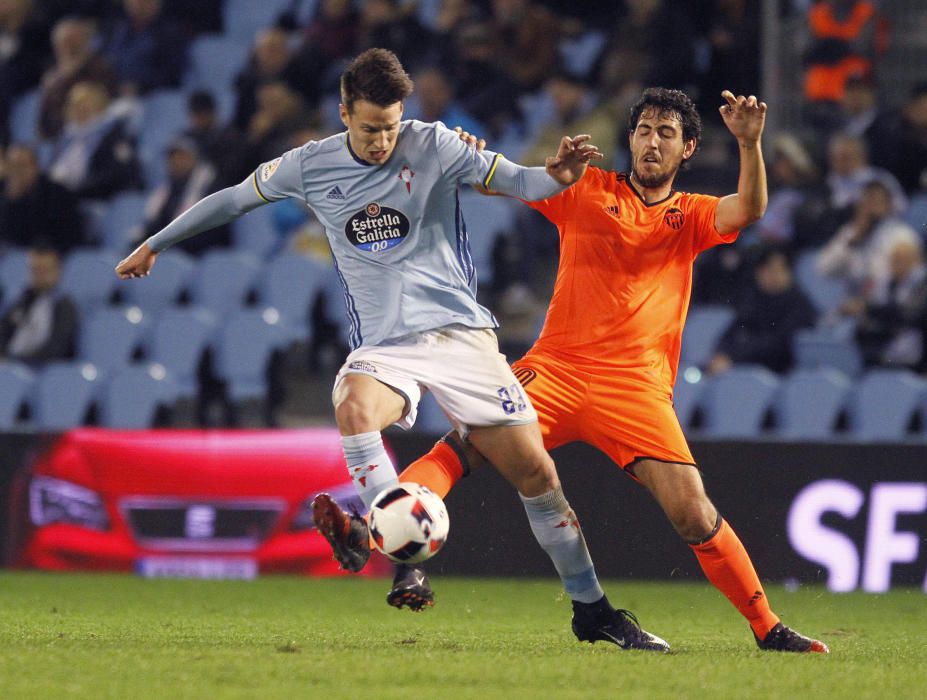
(439, 470)
(727, 565)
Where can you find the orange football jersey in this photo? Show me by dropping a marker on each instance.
(625, 275)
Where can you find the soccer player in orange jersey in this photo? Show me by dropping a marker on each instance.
(603, 369)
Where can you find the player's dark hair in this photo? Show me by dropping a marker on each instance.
(377, 76)
(669, 102)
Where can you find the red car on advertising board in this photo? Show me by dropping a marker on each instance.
(183, 503)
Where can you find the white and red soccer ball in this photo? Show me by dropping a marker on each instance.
(408, 523)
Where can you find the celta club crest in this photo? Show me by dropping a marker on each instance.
(406, 175)
(674, 218)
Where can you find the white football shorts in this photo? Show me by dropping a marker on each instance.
(470, 379)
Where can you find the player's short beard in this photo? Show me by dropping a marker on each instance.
(655, 180)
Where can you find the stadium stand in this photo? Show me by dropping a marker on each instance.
(686, 397)
(247, 341)
(65, 393)
(121, 218)
(178, 341)
(809, 403)
(735, 403)
(87, 277)
(159, 292)
(223, 280)
(704, 327)
(14, 275)
(291, 283)
(16, 383)
(111, 337)
(825, 347)
(133, 396)
(883, 405)
(431, 418)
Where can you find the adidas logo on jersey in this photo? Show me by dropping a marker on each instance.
(335, 193)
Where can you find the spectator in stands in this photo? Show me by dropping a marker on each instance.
(483, 88)
(860, 116)
(42, 324)
(793, 178)
(76, 61)
(148, 50)
(333, 33)
(846, 38)
(577, 110)
(860, 252)
(909, 148)
(221, 146)
(95, 157)
(280, 112)
(434, 96)
(391, 24)
(189, 179)
(850, 170)
(272, 61)
(23, 49)
(33, 207)
(638, 52)
(890, 324)
(768, 315)
(527, 36)
(732, 33)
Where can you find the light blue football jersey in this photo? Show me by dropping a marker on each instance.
(396, 230)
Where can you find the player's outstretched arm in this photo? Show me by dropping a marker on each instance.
(216, 209)
(745, 118)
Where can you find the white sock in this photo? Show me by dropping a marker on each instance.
(557, 530)
(370, 467)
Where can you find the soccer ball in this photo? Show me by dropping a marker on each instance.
(408, 523)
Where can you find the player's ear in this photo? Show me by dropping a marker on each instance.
(688, 149)
(343, 113)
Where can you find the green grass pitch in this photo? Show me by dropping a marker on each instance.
(107, 636)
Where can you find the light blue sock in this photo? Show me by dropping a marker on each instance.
(370, 467)
(557, 530)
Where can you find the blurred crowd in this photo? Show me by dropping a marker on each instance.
(848, 188)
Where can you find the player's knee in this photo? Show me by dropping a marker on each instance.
(695, 520)
(355, 415)
(537, 477)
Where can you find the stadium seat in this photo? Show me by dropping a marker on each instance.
(687, 395)
(16, 382)
(809, 403)
(485, 218)
(291, 283)
(916, 213)
(244, 348)
(214, 62)
(160, 290)
(824, 347)
(431, 418)
(256, 233)
(704, 327)
(24, 118)
(88, 278)
(133, 395)
(884, 403)
(122, 219)
(223, 280)
(735, 403)
(14, 275)
(179, 339)
(243, 18)
(110, 337)
(64, 393)
(164, 116)
(824, 292)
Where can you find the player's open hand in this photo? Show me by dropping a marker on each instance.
(470, 139)
(743, 116)
(574, 154)
(138, 264)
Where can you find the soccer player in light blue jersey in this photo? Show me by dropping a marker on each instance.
(386, 192)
